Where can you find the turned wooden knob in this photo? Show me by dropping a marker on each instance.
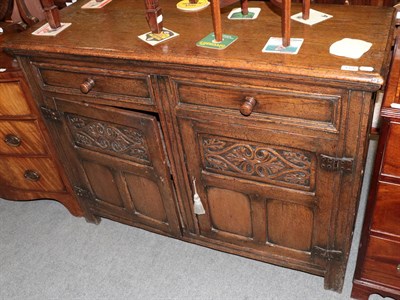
(12, 140)
(87, 85)
(248, 105)
(31, 175)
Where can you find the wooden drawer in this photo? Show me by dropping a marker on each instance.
(320, 110)
(12, 99)
(391, 165)
(95, 82)
(386, 216)
(21, 137)
(39, 174)
(382, 261)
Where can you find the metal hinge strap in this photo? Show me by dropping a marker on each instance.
(83, 193)
(327, 254)
(333, 164)
(50, 114)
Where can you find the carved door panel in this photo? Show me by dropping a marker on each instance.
(263, 191)
(119, 165)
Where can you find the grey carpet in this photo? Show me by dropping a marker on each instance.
(45, 253)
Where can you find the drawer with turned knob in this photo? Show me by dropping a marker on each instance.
(317, 108)
(97, 83)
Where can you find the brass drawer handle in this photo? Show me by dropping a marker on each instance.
(398, 268)
(87, 85)
(31, 175)
(12, 140)
(248, 105)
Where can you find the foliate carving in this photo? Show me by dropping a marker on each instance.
(108, 137)
(263, 162)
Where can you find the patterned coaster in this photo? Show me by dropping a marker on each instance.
(274, 45)
(185, 5)
(209, 41)
(46, 30)
(93, 4)
(156, 38)
(236, 14)
(315, 17)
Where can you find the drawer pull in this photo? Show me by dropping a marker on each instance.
(31, 175)
(398, 268)
(87, 85)
(248, 105)
(12, 140)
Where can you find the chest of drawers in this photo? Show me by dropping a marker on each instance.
(378, 264)
(274, 145)
(29, 169)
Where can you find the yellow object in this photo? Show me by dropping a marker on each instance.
(185, 5)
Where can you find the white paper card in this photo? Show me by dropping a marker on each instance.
(351, 48)
(46, 30)
(315, 17)
(395, 105)
(349, 68)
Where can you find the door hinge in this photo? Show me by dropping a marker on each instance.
(327, 254)
(83, 193)
(50, 114)
(333, 164)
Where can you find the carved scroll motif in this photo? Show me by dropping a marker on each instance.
(266, 163)
(106, 137)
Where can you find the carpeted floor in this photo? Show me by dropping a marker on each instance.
(45, 253)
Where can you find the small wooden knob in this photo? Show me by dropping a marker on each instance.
(248, 105)
(31, 175)
(12, 140)
(87, 85)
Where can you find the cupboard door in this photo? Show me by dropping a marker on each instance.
(260, 190)
(120, 165)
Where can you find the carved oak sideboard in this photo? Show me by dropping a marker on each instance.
(273, 144)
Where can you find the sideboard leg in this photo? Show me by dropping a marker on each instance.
(90, 218)
(334, 277)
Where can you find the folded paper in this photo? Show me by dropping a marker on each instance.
(351, 48)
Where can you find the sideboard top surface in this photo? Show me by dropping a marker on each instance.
(113, 32)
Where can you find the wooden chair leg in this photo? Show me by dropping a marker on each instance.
(286, 22)
(306, 9)
(245, 7)
(216, 17)
(52, 14)
(153, 10)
